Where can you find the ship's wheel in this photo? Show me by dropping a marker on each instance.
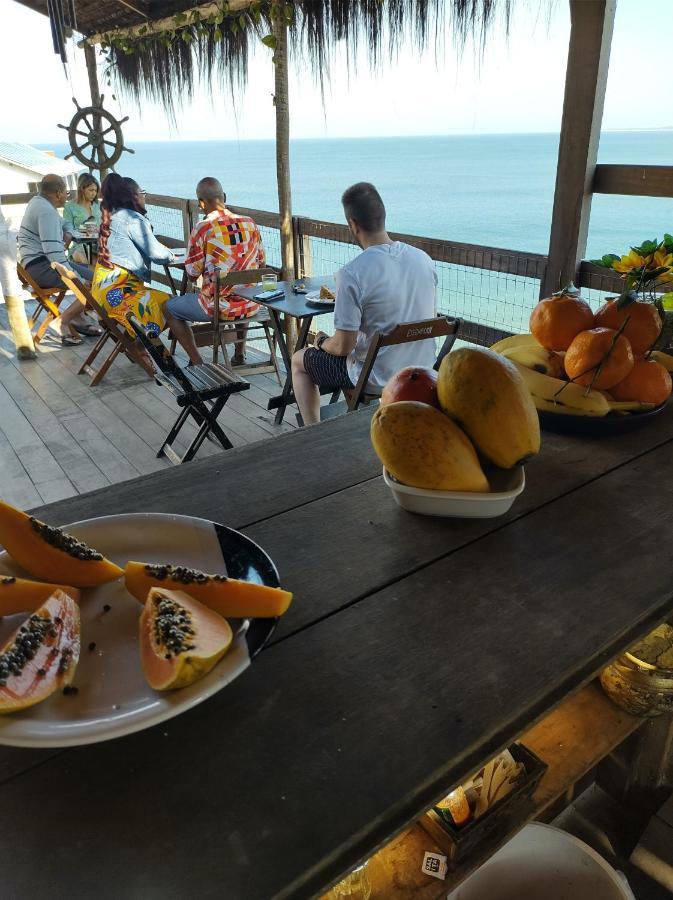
(95, 136)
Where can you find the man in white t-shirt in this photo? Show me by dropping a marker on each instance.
(386, 285)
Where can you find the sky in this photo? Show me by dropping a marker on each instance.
(516, 86)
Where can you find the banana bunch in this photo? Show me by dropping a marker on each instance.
(557, 396)
(664, 359)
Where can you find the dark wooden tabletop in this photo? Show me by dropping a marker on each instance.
(415, 649)
(294, 305)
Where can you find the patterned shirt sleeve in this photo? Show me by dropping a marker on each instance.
(196, 251)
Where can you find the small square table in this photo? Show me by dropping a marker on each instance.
(295, 306)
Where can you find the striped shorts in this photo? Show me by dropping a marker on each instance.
(326, 370)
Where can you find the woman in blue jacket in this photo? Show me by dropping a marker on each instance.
(126, 249)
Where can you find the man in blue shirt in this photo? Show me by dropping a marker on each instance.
(42, 240)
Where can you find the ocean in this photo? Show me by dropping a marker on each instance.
(484, 189)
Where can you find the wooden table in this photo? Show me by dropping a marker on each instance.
(294, 306)
(415, 649)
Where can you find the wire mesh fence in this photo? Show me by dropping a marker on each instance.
(488, 299)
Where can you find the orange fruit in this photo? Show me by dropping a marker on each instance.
(595, 358)
(643, 326)
(557, 320)
(648, 381)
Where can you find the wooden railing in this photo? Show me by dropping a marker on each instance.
(649, 180)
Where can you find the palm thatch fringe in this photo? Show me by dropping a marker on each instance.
(167, 67)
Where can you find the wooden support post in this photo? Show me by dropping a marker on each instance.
(281, 100)
(90, 58)
(586, 76)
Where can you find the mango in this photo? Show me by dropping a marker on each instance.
(486, 395)
(423, 448)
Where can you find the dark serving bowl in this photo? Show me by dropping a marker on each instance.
(597, 426)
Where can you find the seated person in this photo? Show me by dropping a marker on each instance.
(42, 239)
(388, 283)
(126, 249)
(84, 210)
(222, 240)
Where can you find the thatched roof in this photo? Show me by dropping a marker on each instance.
(161, 50)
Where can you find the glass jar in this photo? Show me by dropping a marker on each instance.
(355, 886)
(641, 680)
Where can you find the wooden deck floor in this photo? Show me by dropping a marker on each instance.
(60, 437)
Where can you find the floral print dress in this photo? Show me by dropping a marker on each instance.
(119, 291)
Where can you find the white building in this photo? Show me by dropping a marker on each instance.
(21, 169)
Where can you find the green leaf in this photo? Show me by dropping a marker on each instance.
(186, 37)
(647, 248)
(217, 34)
(243, 22)
(269, 40)
(667, 302)
(606, 261)
(180, 19)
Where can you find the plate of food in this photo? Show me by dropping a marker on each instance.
(165, 611)
(322, 299)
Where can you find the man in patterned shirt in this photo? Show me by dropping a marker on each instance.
(224, 241)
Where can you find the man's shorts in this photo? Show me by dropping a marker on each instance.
(326, 370)
(187, 308)
(42, 273)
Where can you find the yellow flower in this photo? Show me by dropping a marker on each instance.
(629, 262)
(661, 258)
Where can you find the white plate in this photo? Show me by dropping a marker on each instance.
(314, 297)
(506, 485)
(113, 697)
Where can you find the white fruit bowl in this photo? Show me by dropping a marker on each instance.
(506, 485)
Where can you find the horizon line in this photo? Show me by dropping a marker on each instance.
(371, 137)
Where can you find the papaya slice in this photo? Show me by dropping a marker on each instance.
(227, 596)
(180, 639)
(41, 656)
(50, 553)
(19, 595)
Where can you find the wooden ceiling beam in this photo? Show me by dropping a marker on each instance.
(168, 22)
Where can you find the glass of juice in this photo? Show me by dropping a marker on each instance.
(270, 282)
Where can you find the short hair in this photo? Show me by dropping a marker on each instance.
(85, 181)
(363, 204)
(210, 189)
(52, 185)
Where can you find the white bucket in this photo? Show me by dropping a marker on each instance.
(544, 863)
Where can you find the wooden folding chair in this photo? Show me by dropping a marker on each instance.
(121, 340)
(221, 332)
(405, 333)
(48, 303)
(201, 391)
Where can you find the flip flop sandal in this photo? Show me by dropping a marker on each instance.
(238, 360)
(68, 341)
(88, 330)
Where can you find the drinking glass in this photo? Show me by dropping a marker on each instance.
(355, 886)
(270, 282)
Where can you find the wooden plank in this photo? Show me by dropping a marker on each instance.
(56, 489)
(26, 442)
(259, 489)
(15, 199)
(586, 79)
(639, 181)
(15, 485)
(470, 653)
(79, 469)
(380, 542)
